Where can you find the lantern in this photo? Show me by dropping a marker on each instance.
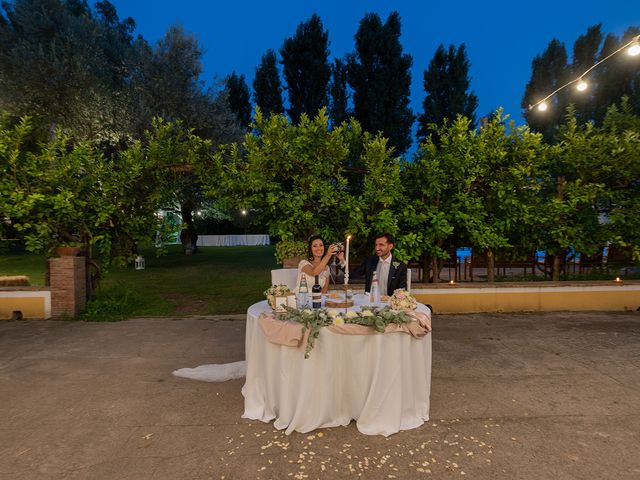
(139, 262)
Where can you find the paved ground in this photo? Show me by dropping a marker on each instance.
(529, 396)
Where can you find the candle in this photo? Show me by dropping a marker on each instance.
(346, 268)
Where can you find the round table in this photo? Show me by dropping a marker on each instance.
(383, 381)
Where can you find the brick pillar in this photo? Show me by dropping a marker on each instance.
(68, 286)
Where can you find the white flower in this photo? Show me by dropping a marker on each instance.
(396, 264)
(367, 313)
(333, 313)
(351, 314)
(338, 321)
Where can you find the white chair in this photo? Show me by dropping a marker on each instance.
(285, 276)
(409, 280)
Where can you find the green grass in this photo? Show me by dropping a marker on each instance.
(23, 264)
(216, 280)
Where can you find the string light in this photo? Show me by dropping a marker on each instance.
(633, 49)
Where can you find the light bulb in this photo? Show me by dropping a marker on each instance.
(634, 49)
(581, 86)
(543, 106)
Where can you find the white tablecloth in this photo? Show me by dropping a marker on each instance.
(231, 240)
(383, 380)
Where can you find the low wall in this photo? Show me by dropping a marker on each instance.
(536, 297)
(33, 302)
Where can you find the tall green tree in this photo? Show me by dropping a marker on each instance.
(585, 55)
(617, 77)
(267, 89)
(306, 68)
(548, 72)
(446, 83)
(237, 94)
(338, 107)
(379, 75)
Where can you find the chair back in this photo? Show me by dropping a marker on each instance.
(285, 276)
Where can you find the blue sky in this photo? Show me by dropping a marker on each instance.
(501, 37)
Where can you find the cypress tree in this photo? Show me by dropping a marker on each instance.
(267, 89)
(238, 98)
(378, 73)
(338, 111)
(446, 83)
(306, 68)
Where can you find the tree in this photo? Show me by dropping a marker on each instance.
(446, 83)
(617, 77)
(585, 54)
(267, 91)
(378, 73)
(338, 109)
(171, 88)
(293, 178)
(62, 191)
(548, 72)
(237, 94)
(306, 68)
(607, 84)
(68, 66)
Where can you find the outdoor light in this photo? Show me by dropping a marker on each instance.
(244, 212)
(451, 282)
(139, 262)
(617, 280)
(633, 49)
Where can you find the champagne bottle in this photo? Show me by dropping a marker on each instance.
(303, 292)
(316, 294)
(374, 296)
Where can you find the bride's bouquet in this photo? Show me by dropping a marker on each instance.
(276, 291)
(402, 300)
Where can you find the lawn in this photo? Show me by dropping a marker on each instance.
(216, 280)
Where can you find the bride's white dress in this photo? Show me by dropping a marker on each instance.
(214, 372)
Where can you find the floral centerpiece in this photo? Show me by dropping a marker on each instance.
(370, 316)
(402, 300)
(276, 291)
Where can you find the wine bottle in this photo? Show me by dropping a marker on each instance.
(316, 294)
(374, 296)
(303, 292)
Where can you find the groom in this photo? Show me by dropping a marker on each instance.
(392, 274)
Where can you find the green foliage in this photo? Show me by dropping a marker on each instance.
(294, 177)
(446, 83)
(266, 85)
(290, 248)
(69, 66)
(315, 319)
(62, 192)
(379, 74)
(306, 68)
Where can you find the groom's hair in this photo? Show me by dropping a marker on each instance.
(388, 236)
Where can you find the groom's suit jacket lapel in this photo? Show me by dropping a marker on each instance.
(392, 274)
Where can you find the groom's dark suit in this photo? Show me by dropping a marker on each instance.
(397, 275)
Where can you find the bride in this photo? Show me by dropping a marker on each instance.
(317, 262)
